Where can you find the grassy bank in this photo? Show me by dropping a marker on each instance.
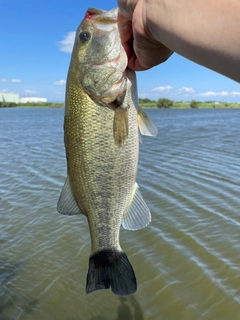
(31, 104)
(42, 104)
(186, 105)
(143, 104)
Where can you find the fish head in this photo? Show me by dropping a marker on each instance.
(98, 59)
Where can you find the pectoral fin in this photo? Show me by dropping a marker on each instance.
(66, 203)
(138, 215)
(145, 124)
(120, 126)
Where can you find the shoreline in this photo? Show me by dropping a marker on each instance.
(177, 105)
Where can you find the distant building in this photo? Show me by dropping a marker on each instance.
(9, 97)
(33, 99)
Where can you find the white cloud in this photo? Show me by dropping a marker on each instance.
(186, 90)
(235, 94)
(143, 95)
(162, 88)
(59, 83)
(13, 80)
(7, 91)
(212, 93)
(16, 80)
(30, 91)
(66, 45)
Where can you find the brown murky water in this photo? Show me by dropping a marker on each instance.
(187, 262)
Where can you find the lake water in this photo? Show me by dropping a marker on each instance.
(187, 262)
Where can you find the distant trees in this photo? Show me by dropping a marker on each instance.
(164, 103)
(31, 104)
(146, 100)
(147, 103)
(4, 104)
(194, 104)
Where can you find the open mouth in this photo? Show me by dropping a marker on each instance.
(102, 16)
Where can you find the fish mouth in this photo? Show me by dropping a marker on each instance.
(102, 20)
(105, 22)
(102, 16)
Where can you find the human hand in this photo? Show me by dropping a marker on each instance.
(151, 30)
(143, 51)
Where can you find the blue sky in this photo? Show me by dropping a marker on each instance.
(36, 38)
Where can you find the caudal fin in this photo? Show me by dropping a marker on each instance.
(111, 268)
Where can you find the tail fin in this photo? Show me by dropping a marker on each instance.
(111, 268)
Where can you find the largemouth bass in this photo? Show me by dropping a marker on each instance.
(101, 138)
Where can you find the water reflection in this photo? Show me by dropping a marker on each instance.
(124, 311)
(7, 273)
(12, 305)
(128, 309)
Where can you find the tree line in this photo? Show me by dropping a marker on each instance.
(145, 103)
(167, 103)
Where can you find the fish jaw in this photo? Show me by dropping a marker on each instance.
(105, 38)
(110, 16)
(100, 63)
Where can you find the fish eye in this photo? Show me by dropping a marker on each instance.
(84, 36)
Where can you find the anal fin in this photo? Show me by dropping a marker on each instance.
(66, 203)
(138, 215)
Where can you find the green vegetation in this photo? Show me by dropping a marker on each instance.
(194, 104)
(144, 103)
(42, 104)
(7, 104)
(166, 103)
(147, 103)
(32, 104)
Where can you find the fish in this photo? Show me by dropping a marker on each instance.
(102, 121)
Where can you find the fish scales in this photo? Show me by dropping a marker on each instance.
(101, 139)
(102, 181)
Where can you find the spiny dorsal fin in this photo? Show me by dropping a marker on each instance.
(138, 215)
(120, 126)
(146, 125)
(66, 203)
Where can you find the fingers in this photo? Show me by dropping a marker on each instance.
(149, 53)
(142, 49)
(127, 7)
(125, 28)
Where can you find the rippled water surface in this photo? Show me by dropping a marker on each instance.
(187, 262)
